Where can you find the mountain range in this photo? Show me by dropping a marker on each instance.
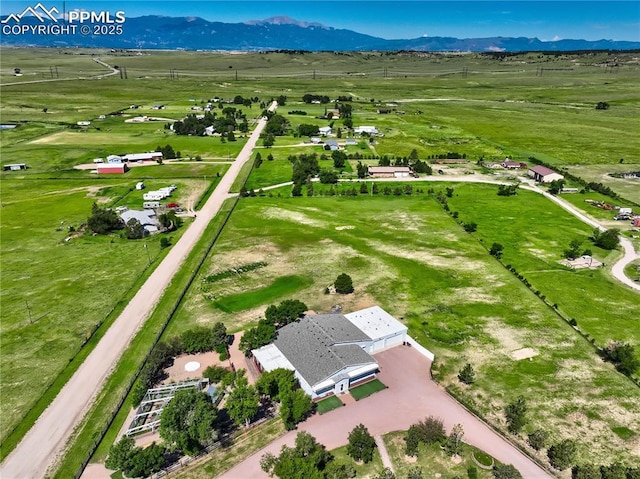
(280, 33)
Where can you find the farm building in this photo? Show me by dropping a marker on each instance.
(543, 174)
(140, 185)
(331, 145)
(114, 159)
(390, 171)
(512, 165)
(112, 168)
(370, 130)
(325, 130)
(331, 352)
(152, 156)
(15, 167)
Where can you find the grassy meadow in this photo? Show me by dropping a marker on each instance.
(404, 253)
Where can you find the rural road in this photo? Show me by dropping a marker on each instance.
(45, 442)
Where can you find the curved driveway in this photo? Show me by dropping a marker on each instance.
(45, 441)
(410, 396)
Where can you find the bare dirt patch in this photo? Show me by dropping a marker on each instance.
(178, 373)
(294, 216)
(508, 338)
(524, 353)
(347, 227)
(436, 257)
(581, 263)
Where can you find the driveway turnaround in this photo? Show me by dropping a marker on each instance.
(45, 441)
(410, 396)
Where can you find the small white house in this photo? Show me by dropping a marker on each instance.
(370, 130)
(325, 130)
(140, 185)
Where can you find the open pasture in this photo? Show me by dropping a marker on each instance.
(55, 292)
(404, 253)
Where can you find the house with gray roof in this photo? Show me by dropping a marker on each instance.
(331, 352)
(146, 217)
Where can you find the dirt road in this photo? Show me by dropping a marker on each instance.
(45, 441)
(630, 254)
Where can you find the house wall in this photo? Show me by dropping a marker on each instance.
(551, 177)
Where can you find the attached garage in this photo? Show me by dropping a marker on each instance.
(384, 330)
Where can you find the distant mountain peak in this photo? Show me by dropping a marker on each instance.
(285, 20)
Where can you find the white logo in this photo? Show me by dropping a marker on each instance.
(41, 13)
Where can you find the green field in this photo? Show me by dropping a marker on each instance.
(404, 253)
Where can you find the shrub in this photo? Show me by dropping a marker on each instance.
(466, 374)
(344, 284)
(561, 455)
(538, 439)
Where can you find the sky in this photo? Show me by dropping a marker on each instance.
(544, 19)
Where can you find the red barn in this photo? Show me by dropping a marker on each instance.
(112, 168)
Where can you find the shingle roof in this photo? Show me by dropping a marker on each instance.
(316, 347)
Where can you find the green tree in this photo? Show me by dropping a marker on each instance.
(538, 439)
(286, 312)
(146, 461)
(343, 284)
(296, 190)
(363, 189)
(339, 159)
(268, 141)
(258, 160)
(294, 407)
(454, 441)
(472, 472)
(242, 403)
(361, 169)
(506, 471)
(134, 229)
(573, 251)
(336, 470)
(256, 337)
(602, 105)
(623, 356)
(587, 471)
(515, 413)
(271, 383)
(470, 227)
(606, 240)
(120, 454)
(188, 421)
(361, 444)
(103, 220)
(496, 250)
(215, 373)
(467, 375)
(328, 177)
(306, 460)
(556, 186)
(219, 337)
(562, 454)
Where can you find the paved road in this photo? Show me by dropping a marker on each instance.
(410, 396)
(45, 441)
